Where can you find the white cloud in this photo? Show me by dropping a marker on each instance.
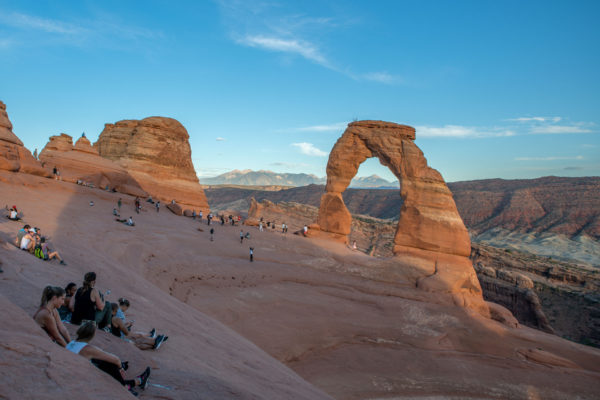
(559, 129)
(293, 46)
(309, 149)
(382, 77)
(577, 158)
(324, 128)
(458, 131)
(536, 119)
(220, 139)
(24, 21)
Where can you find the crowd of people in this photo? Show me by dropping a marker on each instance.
(86, 306)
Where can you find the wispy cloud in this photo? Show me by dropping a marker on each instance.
(536, 119)
(24, 21)
(573, 168)
(383, 77)
(102, 29)
(289, 165)
(458, 131)
(220, 139)
(559, 129)
(294, 46)
(269, 26)
(553, 158)
(309, 149)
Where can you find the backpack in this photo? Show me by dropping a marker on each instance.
(37, 251)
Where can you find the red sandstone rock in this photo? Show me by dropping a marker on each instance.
(430, 231)
(82, 162)
(13, 155)
(156, 152)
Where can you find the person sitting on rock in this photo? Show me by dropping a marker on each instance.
(13, 214)
(107, 362)
(48, 253)
(64, 311)
(88, 304)
(28, 241)
(116, 213)
(22, 232)
(122, 329)
(130, 222)
(47, 316)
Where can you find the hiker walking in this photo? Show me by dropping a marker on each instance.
(157, 205)
(251, 254)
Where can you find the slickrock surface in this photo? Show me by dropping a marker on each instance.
(82, 162)
(430, 231)
(202, 359)
(156, 152)
(13, 155)
(352, 325)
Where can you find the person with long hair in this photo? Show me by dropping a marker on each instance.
(47, 316)
(105, 361)
(88, 303)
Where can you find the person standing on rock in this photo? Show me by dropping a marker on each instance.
(137, 205)
(251, 254)
(260, 228)
(119, 204)
(35, 155)
(194, 215)
(200, 216)
(241, 236)
(157, 205)
(304, 230)
(212, 234)
(55, 172)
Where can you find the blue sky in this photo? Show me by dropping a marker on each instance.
(506, 89)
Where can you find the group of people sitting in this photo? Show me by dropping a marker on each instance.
(30, 239)
(85, 306)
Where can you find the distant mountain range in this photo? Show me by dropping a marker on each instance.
(249, 177)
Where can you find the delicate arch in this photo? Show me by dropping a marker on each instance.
(428, 218)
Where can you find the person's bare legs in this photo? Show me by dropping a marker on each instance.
(142, 342)
(54, 254)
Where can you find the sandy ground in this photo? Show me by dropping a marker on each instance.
(353, 326)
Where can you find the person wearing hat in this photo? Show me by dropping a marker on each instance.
(28, 240)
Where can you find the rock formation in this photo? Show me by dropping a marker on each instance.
(431, 236)
(13, 155)
(82, 162)
(156, 152)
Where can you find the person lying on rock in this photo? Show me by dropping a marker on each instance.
(107, 362)
(47, 316)
(88, 303)
(119, 328)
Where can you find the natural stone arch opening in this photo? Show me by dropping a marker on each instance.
(428, 218)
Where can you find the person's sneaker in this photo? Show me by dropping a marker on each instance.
(62, 262)
(158, 341)
(133, 392)
(165, 339)
(153, 333)
(144, 378)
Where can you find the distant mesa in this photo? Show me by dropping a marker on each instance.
(81, 162)
(431, 235)
(156, 152)
(13, 155)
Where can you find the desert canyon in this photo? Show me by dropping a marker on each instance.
(420, 313)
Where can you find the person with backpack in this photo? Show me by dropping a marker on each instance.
(42, 251)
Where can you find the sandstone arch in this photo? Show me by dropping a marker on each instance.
(431, 237)
(428, 219)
